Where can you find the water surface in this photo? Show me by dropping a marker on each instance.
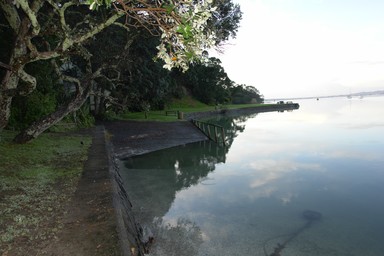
(328, 156)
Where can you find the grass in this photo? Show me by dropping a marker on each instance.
(185, 105)
(36, 181)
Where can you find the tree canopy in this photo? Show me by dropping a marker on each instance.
(63, 52)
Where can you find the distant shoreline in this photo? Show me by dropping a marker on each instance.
(242, 111)
(352, 95)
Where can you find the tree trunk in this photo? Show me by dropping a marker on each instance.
(15, 71)
(38, 127)
(8, 89)
(21, 17)
(5, 110)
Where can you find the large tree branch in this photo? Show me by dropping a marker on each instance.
(64, 77)
(61, 12)
(29, 80)
(70, 41)
(96, 29)
(11, 15)
(31, 12)
(6, 66)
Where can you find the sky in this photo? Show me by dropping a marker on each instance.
(298, 48)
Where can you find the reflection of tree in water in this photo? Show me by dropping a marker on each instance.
(153, 179)
(181, 238)
(233, 125)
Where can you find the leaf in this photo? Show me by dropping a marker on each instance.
(189, 55)
(180, 29)
(169, 8)
(92, 6)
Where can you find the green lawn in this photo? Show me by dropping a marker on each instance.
(36, 181)
(185, 105)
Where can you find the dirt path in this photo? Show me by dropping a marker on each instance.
(89, 221)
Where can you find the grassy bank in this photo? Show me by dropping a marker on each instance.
(185, 105)
(36, 181)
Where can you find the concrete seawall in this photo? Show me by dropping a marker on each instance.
(129, 231)
(128, 138)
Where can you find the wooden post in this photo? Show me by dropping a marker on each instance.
(216, 136)
(223, 135)
(209, 132)
(212, 131)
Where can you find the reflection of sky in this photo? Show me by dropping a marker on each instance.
(326, 156)
(325, 127)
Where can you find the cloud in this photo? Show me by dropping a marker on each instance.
(273, 169)
(281, 53)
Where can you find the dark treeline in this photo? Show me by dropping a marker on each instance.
(112, 72)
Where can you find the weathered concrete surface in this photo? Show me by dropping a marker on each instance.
(90, 223)
(131, 138)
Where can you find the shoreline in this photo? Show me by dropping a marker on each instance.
(125, 139)
(106, 225)
(242, 111)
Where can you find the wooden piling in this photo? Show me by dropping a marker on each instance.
(214, 132)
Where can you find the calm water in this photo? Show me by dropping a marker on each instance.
(328, 156)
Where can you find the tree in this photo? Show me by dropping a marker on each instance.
(148, 81)
(34, 40)
(50, 30)
(208, 82)
(225, 21)
(244, 94)
(42, 101)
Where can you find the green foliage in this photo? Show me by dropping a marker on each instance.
(95, 4)
(208, 82)
(41, 102)
(141, 80)
(186, 105)
(168, 7)
(242, 94)
(83, 117)
(44, 100)
(187, 102)
(226, 20)
(185, 35)
(148, 81)
(25, 110)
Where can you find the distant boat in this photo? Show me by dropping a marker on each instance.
(349, 96)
